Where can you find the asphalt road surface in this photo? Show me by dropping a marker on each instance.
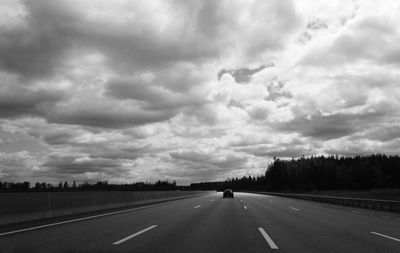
(247, 223)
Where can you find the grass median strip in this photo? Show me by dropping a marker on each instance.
(268, 239)
(134, 235)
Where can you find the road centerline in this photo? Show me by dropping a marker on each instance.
(268, 239)
(386, 236)
(134, 235)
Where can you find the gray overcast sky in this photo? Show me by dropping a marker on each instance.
(192, 90)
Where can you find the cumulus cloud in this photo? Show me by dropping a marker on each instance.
(203, 90)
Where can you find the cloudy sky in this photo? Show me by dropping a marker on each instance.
(192, 90)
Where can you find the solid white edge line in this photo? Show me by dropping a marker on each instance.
(389, 237)
(135, 234)
(268, 239)
(245, 207)
(197, 206)
(293, 208)
(86, 218)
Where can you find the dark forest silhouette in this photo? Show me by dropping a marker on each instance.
(319, 173)
(86, 186)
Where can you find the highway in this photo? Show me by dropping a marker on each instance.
(210, 223)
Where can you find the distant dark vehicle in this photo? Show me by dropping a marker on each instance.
(228, 193)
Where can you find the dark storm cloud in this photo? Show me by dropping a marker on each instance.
(81, 165)
(96, 145)
(332, 126)
(59, 137)
(275, 91)
(14, 165)
(317, 24)
(288, 149)
(242, 75)
(207, 159)
(153, 97)
(104, 117)
(141, 45)
(55, 28)
(286, 152)
(115, 153)
(18, 101)
(382, 133)
(199, 166)
(34, 50)
(323, 127)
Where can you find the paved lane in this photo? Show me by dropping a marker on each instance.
(248, 223)
(303, 226)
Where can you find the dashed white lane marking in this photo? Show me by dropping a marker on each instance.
(356, 212)
(134, 235)
(386, 217)
(212, 200)
(268, 239)
(197, 206)
(245, 207)
(83, 218)
(386, 236)
(293, 208)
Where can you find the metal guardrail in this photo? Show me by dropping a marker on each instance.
(377, 204)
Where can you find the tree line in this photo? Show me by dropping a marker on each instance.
(303, 174)
(317, 173)
(86, 186)
(334, 173)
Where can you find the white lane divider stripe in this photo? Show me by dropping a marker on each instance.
(386, 236)
(134, 235)
(84, 218)
(293, 208)
(212, 200)
(356, 212)
(197, 206)
(245, 207)
(386, 217)
(268, 239)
